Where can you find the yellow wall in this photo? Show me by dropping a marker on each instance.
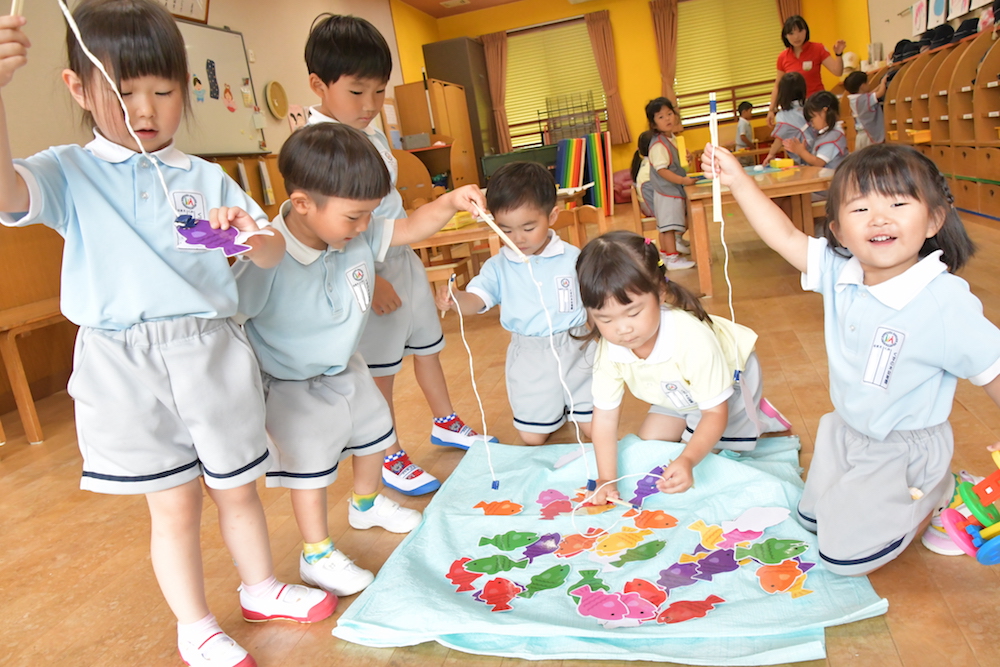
(831, 20)
(414, 28)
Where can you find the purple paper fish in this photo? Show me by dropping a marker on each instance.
(646, 486)
(550, 495)
(730, 539)
(677, 575)
(200, 233)
(716, 562)
(546, 544)
(804, 565)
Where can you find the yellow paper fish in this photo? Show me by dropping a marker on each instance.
(615, 543)
(797, 589)
(692, 558)
(710, 535)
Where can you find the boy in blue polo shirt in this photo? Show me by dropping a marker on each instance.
(304, 320)
(522, 197)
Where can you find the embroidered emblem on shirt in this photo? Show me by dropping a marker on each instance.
(357, 279)
(678, 395)
(566, 291)
(882, 357)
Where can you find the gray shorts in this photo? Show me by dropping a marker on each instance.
(413, 328)
(857, 495)
(315, 424)
(161, 403)
(670, 213)
(537, 398)
(741, 430)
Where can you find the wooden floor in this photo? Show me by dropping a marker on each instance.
(76, 586)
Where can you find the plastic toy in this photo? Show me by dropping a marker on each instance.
(977, 535)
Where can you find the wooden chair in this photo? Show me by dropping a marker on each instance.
(13, 323)
(440, 274)
(567, 219)
(413, 180)
(642, 222)
(589, 215)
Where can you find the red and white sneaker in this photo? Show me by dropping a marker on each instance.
(405, 476)
(290, 602)
(454, 433)
(219, 650)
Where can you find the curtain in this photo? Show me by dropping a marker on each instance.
(495, 45)
(665, 28)
(599, 28)
(789, 8)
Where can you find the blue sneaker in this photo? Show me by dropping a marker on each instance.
(454, 433)
(401, 474)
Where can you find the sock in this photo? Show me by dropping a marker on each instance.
(399, 462)
(199, 632)
(363, 503)
(265, 587)
(317, 550)
(441, 421)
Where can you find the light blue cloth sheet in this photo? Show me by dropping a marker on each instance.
(411, 600)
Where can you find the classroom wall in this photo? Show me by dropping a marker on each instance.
(414, 28)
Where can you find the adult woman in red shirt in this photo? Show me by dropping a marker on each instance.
(805, 57)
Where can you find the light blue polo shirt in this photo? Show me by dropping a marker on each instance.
(504, 279)
(121, 264)
(305, 316)
(897, 349)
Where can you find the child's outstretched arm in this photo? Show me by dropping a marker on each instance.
(769, 221)
(14, 45)
(431, 217)
(464, 302)
(679, 475)
(796, 146)
(604, 433)
(674, 178)
(266, 250)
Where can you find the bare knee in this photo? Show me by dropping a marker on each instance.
(240, 496)
(585, 427)
(533, 439)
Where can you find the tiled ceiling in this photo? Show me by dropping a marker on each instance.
(436, 9)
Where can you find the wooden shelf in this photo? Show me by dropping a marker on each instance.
(960, 114)
(986, 99)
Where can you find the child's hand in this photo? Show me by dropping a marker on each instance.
(464, 197)
(690, 180)
(442, 299)
(678, 477)
(384, 300)
(225, 217)
(995, 447)
(794, 146)
(603, 493)
(14, 46)
(726, 167)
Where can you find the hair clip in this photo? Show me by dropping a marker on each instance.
(660, 263)
(648, 240)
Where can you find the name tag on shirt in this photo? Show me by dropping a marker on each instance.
(882, 357)
(566, 291)
(807, 65)
(193, 204)
(357, 279)
(678, 395)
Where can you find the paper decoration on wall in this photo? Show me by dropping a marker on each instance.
(296, 117)
(199, 89)
(919, 16)
(213, 82)
(957, 8)
(937, 10)
(976, 4)
(227, 96)
(247, 93)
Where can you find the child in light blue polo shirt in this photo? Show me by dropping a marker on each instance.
(522, 197)
(304, 319)
(900, 330)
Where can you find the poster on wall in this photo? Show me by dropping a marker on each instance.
(919, 17)
(956, 8)
(937, 11)
(976, 4)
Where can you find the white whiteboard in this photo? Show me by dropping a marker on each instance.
(212, 127)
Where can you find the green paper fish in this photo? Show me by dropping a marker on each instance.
(554, 577)
(642, 552)
(510, 540)
(589, 578)
(772, 550)
(494, 564)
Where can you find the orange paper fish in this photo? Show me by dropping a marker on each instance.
(499, 507)
(779, 578)
(573, 545)
(654, 519)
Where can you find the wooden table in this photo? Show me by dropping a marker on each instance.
(449, 237)
(798, 183)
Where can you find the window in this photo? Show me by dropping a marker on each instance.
(539, 63)
(723, 46)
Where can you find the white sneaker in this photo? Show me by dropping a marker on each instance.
(219, 650)
(455, 433)
(936, 539)
(290, 603)
(335, 573)
(385, 513)
(676, 262)
(682, 247)
(407, 477)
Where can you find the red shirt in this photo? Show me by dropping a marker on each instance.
(809, 63)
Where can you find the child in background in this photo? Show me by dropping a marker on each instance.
(866, 109)
(640, 173)
(668, 179)
(744, 132)
(166, 392)
(349, 65)
(827, 146)
(656, 339)
(522, 198)
(900, 330)
(305, 318)
(789, 122)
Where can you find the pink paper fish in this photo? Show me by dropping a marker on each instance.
(555, 508)
(734, 537)
(602, 606)
(550, 495)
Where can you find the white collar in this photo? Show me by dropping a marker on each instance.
(661, 348)
(109, 151)
(315, 118)
(554, 247)
(896, 292)
(299, 251)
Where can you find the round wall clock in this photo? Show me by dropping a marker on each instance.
(277, 100)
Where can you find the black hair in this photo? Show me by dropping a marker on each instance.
(791, 88)
(653, 107)
(642, 151)
(819, 101)
(854, 81)
(902, 171)
(518, 184)
(620, 263)
(133, 38)
(743, 107)
(347, 46)
(793, 23)
(333, 160)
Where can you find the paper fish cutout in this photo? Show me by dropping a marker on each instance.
(638, 610)
(554, 577)
(546, 544)
(685, 610)
(648, 591)
(549, 496)
(797, 590)
(715, 563)
(654, 519)
(589, 578)
(498, 593)
(646, 486)
(615, 543)
(644, 551)
(778, 578)
(590, 509)
(599, 605)
(494, 564)
(710, 535)
(772, 550)
(510, 540)
(199, 233)
(499, 508)
(734, 537)
(677, 575)
(459, 576)
(573, 545)
(555, 508)
(804, 565)
(693, 558)
(757, 518)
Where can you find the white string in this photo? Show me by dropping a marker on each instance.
(588, 498)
